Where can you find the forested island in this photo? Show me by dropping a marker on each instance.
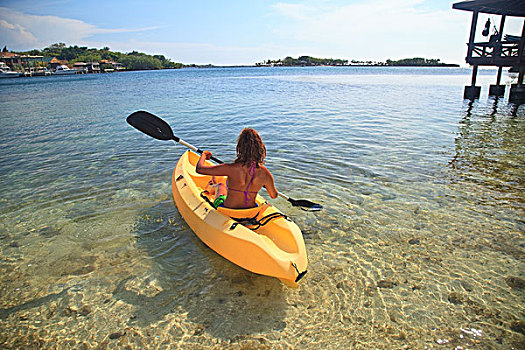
(108, 60)
(130, 61)
(307, 61)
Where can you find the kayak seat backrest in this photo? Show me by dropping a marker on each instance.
(242, 213)
(277, 230)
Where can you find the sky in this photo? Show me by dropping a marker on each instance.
(243, 32)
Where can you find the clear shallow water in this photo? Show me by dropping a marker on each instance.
(420, 243)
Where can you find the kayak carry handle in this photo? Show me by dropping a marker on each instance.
(299, 274)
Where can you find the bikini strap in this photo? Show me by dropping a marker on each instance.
(252, 173)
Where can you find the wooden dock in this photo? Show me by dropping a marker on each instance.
(500, 50)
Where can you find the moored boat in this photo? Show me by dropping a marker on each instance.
(64, 70)
(6, 72)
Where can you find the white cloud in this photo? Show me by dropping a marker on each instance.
(377, 29)
(15, 33)
(20, 31)
(362, 30)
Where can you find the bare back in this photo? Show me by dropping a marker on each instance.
(244, 182)
(243, 185)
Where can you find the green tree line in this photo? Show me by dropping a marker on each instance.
(312, 61)
(132, 61)
(306, 61)
(416, 61)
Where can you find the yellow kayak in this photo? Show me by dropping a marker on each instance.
(261, 240)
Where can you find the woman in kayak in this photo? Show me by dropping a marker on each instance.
(246, 175)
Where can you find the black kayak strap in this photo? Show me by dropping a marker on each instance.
(257, 223)
(249, 221)
(203, 196)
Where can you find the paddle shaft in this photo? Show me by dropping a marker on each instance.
(195, 149)
(157, 128)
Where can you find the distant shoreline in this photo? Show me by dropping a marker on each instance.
(99, 60)
(308, 61)
(342, 66)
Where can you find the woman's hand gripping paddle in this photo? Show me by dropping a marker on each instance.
(157, 128)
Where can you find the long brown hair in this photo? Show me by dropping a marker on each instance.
(250, 148)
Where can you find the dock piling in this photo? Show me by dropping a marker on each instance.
(498, 89)
(472, 92)
(517, 91)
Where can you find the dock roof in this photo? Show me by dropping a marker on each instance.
(498, 7)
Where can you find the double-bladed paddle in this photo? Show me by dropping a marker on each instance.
(157, 128)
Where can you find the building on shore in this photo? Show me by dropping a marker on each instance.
(55, 62)
(89, 67)
(500, 50)
(115, 66)
(26, 65)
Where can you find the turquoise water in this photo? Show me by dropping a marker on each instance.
(420, 243)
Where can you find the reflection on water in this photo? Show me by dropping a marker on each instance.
(490, 148)
(420, 243)
(488, 169)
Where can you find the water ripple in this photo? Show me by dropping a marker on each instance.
(420, 242)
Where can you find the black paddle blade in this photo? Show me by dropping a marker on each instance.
(151, 125)
(305, 204)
